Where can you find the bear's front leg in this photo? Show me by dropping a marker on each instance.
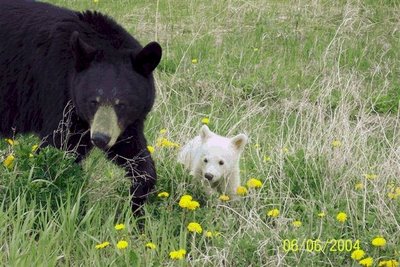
(131, 153)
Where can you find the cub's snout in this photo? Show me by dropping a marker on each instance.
(208, 176)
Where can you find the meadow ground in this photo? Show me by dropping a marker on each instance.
(315, 86)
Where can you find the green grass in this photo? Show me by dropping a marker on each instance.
(294, 76)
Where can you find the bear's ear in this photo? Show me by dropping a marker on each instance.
(83, 53)
(147, 59)
(239, 141)
(205, 133)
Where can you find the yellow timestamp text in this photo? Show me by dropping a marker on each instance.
(317, 245)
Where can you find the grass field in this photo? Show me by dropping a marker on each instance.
(316, 87)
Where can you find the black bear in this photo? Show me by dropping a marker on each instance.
(78, 79)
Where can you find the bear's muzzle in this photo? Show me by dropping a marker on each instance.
(105, 129)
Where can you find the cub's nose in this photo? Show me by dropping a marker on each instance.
(208, 176)
(100, 140)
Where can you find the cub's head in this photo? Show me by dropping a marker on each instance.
(219, 155)
(112, 90)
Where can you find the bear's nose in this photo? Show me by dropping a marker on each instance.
(208, 176)
(100, 140)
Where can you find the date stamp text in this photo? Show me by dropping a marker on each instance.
(317, 245)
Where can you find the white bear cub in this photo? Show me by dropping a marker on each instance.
(214, 160)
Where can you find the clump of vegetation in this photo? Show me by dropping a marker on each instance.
(46, 177)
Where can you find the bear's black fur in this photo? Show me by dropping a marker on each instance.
(57, 67)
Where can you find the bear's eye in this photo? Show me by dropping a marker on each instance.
(120, 106)
(221, 162)
(93, 103)
(205, 160)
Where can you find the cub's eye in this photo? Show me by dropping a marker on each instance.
(221, 162)
(205, 160)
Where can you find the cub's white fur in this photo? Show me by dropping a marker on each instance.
(214, 160)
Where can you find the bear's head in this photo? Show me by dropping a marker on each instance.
(219, 155)
(112, 89)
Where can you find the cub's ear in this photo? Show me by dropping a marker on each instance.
(205, 133)
(147, 59)
(83, 53)
(239, 141)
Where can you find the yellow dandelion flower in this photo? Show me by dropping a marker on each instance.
(10, 141)
(358, 254)
(34, 148)
(187, 202)
(150, 245)
(254, 183)
(170, 144)
(164, 142)
(321, 214)
(359, 186)
(241, 191)
(341, 217)
(102, 245)
(205, 120)
(370, 176)
(194, 227)
(297, 224)
(122, 244)
(177, 254)
(336, 143)
(267, 159)
(273, 213)
(194, 61)
(184, 201)
(163, 195)
(394, 192)
(151, 149)
(186, 197)
(120, 226)
(192, 205)
(210, 234)
(9, 162)
(388, 263)
(367, 262)
(163, 131)
(223, 197)
(378, 241)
